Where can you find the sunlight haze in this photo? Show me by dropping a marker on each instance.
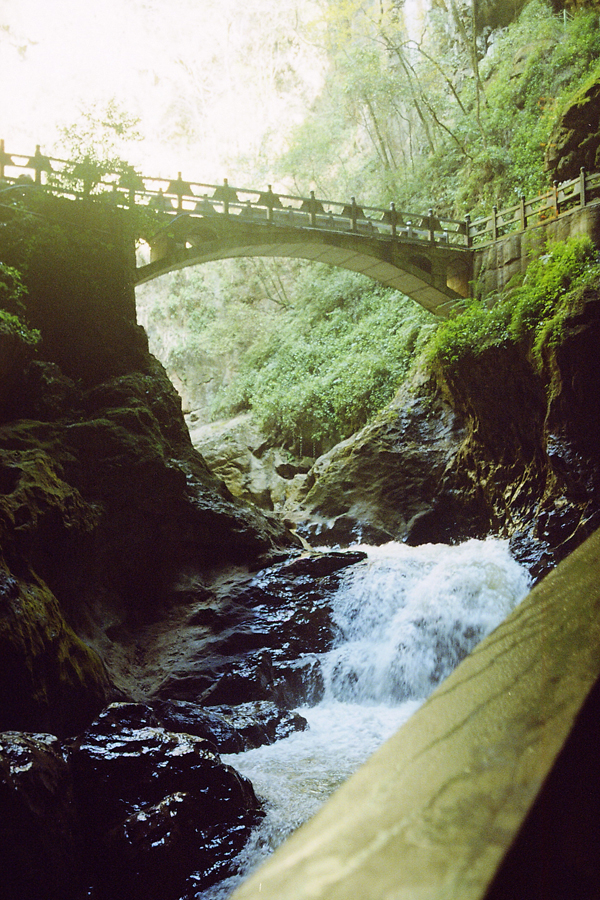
(215, 85)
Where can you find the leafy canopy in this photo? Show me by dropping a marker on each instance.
(95, 146)
(12, 310)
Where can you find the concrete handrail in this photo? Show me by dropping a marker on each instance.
(432, 814)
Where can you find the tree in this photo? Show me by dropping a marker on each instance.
(94, 146)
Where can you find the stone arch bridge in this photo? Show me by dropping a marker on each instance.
(431, 259)
(420, 255)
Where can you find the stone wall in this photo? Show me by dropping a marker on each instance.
(496, 264)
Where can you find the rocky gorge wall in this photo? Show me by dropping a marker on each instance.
(111, 528)
(488, 445)
(103, 500)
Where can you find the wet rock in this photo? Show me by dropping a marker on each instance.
(163, 815)
(231, 729)
(39, 832)
(275, 625)
(48, 676)
(318, 566)
(100, 511)
(240, 453)
(389, 478)
(340, 531)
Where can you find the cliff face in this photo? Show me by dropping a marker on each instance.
(104, 502)
(489, 445)
(575, 141)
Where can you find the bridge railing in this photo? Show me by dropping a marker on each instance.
(562, 197)
(301, 212)
(177, 197)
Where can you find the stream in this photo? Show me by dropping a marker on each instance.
(404, 618)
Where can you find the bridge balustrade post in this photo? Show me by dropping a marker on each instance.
(523, 213)
(313, 210)
(180, 192)
(354, 214)
(393, 219)
(468, 234)
(582, 191)
(3, 158)
(555, 197)
(270, 205)
(430, 223)
(37, 164)
(225, 196)
(494, 223)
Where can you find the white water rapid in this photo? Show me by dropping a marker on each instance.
(405, 617)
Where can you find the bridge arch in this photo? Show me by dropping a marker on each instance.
(433, 274)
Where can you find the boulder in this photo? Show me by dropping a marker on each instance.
(240, 453)
(271, 629)
(40, 850)
(231, 729)
(162, 814)
(386, 481)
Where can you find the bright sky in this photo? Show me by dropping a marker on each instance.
(189, 69)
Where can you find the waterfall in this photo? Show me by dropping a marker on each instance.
(404, 618)
(408, 616)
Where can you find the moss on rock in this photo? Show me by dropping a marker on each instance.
(49, 679)
(103, 500)
(501, 441)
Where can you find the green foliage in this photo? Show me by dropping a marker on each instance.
(10, 324)
(533, 311)
(94, 146)
(12, 292)
(329, 362)
(467, 334)
(312, 351)
(544, 300)
(12, 289)
(432, 124)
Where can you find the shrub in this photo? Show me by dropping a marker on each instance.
(12, 310)
(533, 311)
